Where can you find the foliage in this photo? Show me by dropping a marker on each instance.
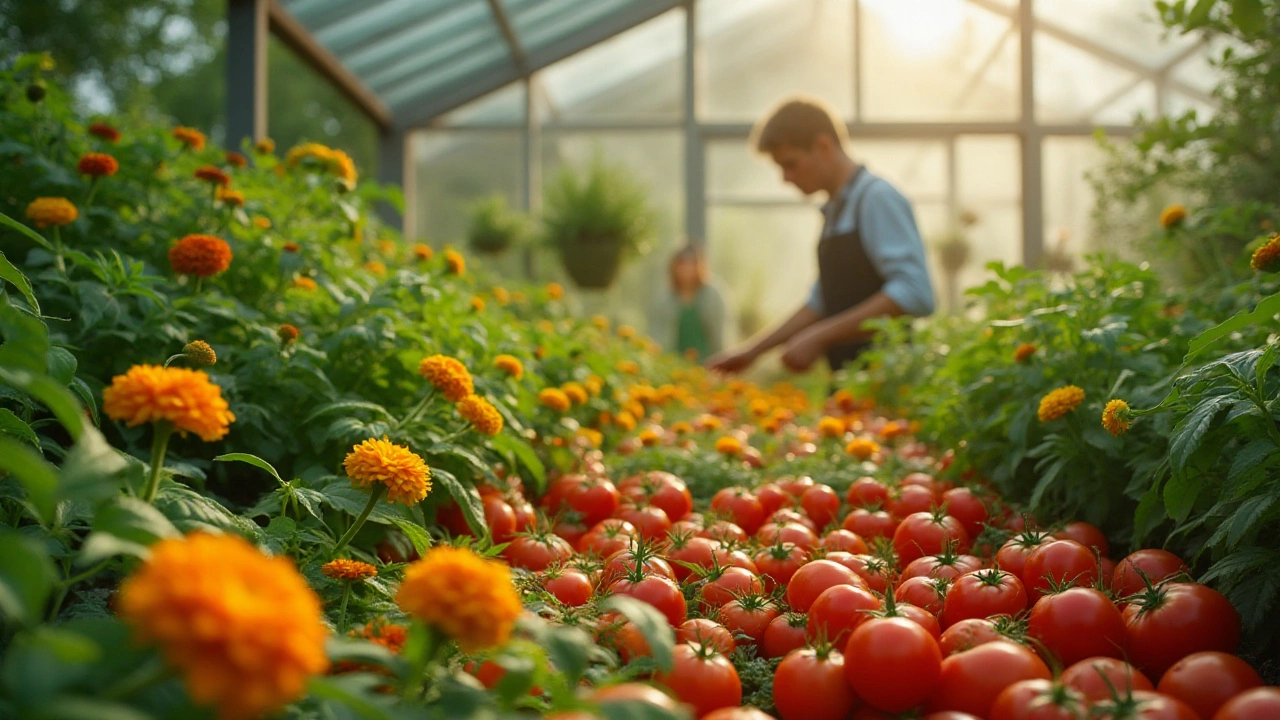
(596, 205)
(495, 227)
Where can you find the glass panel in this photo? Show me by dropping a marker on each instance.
(758, 52)
(938, 60)
(1069, 199)
(541, 23)
(735, 173)
(638, 75)
(379, 21)
(503, 108)
(1177, 103)
(456, 168)
(916, 167)
(491, 57)
(1125, 109)
(406, 50)
(1199, 70)
(988, 185)
(1073, 85)
(1127, 27)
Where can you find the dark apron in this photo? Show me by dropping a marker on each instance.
(846, 274)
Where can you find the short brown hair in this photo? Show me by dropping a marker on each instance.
(798, 121)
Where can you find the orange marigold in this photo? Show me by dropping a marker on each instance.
(243, 629)
(1059, 402)
(305, 283)
(211, 174)
(477, 303)
(601, 322)
(183, 397)
(682, 428)
(291, 247)
(845, 401)
(707, 422)
(265, 146)
(625, 421)
(234, 198)
(403, 472)
(423, 252)
(448, 375)
(236, 159)
(1267, 257)
(467, 597)
(388, 248)
(502, 295)
(626, 332)
(454, 262)
(831, 427)
(1024, 352)
(554, 398)
(1115, 417)
(97, 165)
(481, 414)
(628, 367)
(104, 131)
(593, 384)
(1172, 216)
(862, 448)
(262, 223)
(344, 569)
(555, 290)
(189, 137)
(200, 255)
(45, 211)
(575, 392)
(375, 267)
(729, 446)
(893, 429)
(287, 333)
(510, 365)
(649, 437)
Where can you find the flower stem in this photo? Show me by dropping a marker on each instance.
(142, 678)
(57, 244)
(93, 188)
(374, 496)
(342, 612)
(159, 445)
(421, 663)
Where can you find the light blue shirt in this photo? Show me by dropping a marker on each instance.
(889, 237)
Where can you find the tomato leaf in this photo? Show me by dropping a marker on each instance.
(652, 625)
(468, 499)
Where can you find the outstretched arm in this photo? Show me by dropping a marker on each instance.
(740, 359)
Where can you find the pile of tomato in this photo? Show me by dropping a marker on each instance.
(884, 601)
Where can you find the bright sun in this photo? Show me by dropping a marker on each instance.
(919, 27)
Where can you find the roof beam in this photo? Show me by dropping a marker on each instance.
(508, 33)
(295, 35)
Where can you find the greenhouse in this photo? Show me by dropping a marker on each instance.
(639, 359)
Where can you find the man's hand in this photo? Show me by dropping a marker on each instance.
(804, 348)
(732, 361)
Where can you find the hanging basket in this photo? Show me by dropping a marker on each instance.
(592, 264)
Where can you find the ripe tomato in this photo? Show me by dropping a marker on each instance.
(499, 517)
(773, 498)
(625, 637)
(725, 532)
(778, 563)
(791, 532)
(821, 504)
(1076, 624)
(635, 692)
(972, 680)
(967, 634)
(947, 566)
(651, 522)
(1175, 620)
(1057, 563)
(748, 615)
(703, 678)
(869, 524)
(594, 500)
(569, 529)
(1251, 705)
(1143, 705)
(1039, 700)
(1157, 565)
(787, 515)
(1085, 534)
(928, 533)
(1012, 556)
(982, 594)
(737, 713)
(1095, 677)
(741, 506)
(784, 634)
(795, 486)
(809, 685)
(874, 571)
(911, 499)
(537, 551)
(892, 663)
(525, 515)
(964, 505)
(697, 551)
(928, 593)
(734, 558)
(867, 492)
(571, 587)
(660, 592)
(732, 581)
(660, 489)
(1205, 681)
(624, 561)
(811, 579)
(607, 537)
(837, 611)
(844, 540)
(706, 632)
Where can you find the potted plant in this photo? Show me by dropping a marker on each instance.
(495, 227)
(595, 219)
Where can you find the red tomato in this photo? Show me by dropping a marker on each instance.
(787, 515)
(625, 637)
(1106, 570)
(811, 579)
(982, 594)
(1059, 562)
(740, 505)
(927, 533)
(697, 551)
(1175, 620)
(525, 515)
(837, 611)
(651, 522)
(1144, 706)
(844, 540)
(1038, 700)
(917, 615)
(911, 499)
(702, 678)
(867, 492)
(791, 532)
(571, 587)
(536, 552)
(869, 524)
(569, 530)
(821, 504)
(1085, 534)
(795, 487)
(1095, 677)
(737, 713)
(660, 592)
(1157, 565)
(1076, 624)
(499, 517)
(809, 685)
(962, 504)
(731, 581)
(1251, 705)
(972, 680)
(874, 571)
(924, 480)
(968, 634)
(784, 634)
(637, 692)
(624, 561)
(662, 490)
(725, 532)
(946, 566)
(892, 663)
(1205, 681)
(593, 500)
(773, 498)
(734, 558)
(927, 593)
(748, 615)
(778, 563)
(702, 631)
(607, 537)
(1012, 556)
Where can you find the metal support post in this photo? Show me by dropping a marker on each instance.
(247, 27)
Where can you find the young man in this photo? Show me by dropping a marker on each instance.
(871, 261)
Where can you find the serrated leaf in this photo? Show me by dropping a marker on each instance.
(468, 499)
(651, 624)
(253, 460)
(343, 496)
(1250, 456)
(1243, 521)
(525, 454)
(1260, 315)
(1265, 363)
(416, 534)
(188, 510)
(52, 395)
(1191, 429)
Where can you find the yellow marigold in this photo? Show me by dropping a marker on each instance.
(262, 223)
(97, 165)
(343, 166)
(308, 151)
(305, 283)
(1059, 402)
(594, 384)
(234, 198)
(376, 267)
(502, 295)
(423, 252)
(707, 422)
(1172, 216)
(729, 446)
(104, 131)
(759, 407)
(862, 448)
(649, 437)
(200, 352)
(200, 255)
(681, 428)
(1024, 352)
(893, 429)
(407, 477)
(626, 332)
(831, 427)
(1115, 417)
(454, 262)
(575, 392)
(628, 367)
(243, 629)
(344, 569)
(287, 333)
(47, 211)
(594, 437)
(190, 137)
(555, 290)
(477, 303)
(600, 321)
(465, 596)
(448, 375)
(388, 248)
(625, 420)
(510, 365)
(481, 414)
(555, 399)
(185, 398)
(518, 297)
(1267, 257)
(771, 425)
(211, 174)
(265, 146)
(236, 159)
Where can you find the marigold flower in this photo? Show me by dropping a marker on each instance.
(601, 322)
(456, 264)
(243, 629)
(510, 365)
(1115, 417)
(287, 333)
(1024, 352)
(626, 332)
(308, 151)
(628, 367)
(555, 290)
(211, 174)
(97, 165)
(200, 255)
(594, 437)
(893, 429)
(387, 247)
(104, 131)
(844, 400)
(375, 267)
(477, 303)
(388, 635)
(305, 283)
(831, 427)
(404, 473)
(344, 569)
(265, 146)
(862, 448)
(234, 198)
(1267, 257)
(183, 397)
(707, 422)
(47, 211)
(200, 353)
(729, 446)
(554, 398)
(291, 247)
(649, 437)
(502, 295)
(448, 375)
(593, 384)
(481, 414)
(625, 421)
(682, 428)
(575, 392)
(759, 407)
(469, 598)
(1172, 216)
(262, 223)
(343, 166)
(423, 252)
(1059, 402)
(235, 159)
(190, 137)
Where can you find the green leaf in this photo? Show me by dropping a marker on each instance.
(1191, 429)
(36, 475)
(1260, 315)
(1265, 363)
(1248, 15)
(15, 276)
(412, 530)
(57, 398)
(126, 525)
(525, 454)
(93, 470)
(348, 405)
(1249, 457)
(25, 231)
(90, 708)
(1148, 515)
(1180, 495)
(190, 511)
(344, 496)
(651, 623)
(1199, 15)
(11, 424)
(636, 710)
(26, 339)
(356, 692)
(61, 365)
(569, 650)
(1247, 518)
(26, 577)
(468, 499)
(361, 651)
(253, 460)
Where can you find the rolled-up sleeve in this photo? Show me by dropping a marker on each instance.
(814, 302)
(893, 244)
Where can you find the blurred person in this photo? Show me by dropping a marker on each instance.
(690, 319)
(871, 260)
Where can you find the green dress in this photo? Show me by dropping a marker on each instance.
(690, 331)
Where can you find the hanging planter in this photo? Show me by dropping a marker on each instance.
(495, 227)
(592, 264)
(595, 219)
